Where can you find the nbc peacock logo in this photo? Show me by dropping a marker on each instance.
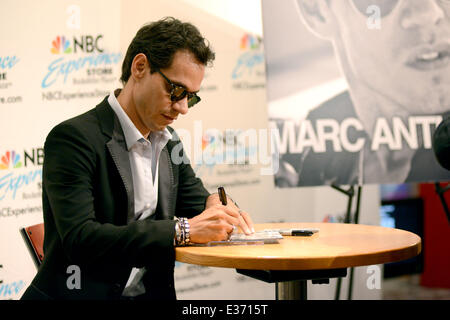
(249, 66)
(205, 142)
(250, 42)
(209, 141)
(10, 160)
(61, 45)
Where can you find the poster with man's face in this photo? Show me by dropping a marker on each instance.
(356, 89)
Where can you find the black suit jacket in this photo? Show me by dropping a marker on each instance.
(88, 206)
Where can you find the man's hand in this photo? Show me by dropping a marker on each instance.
(214, 224)
(217, 221)
(245, 221)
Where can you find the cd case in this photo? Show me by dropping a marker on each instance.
(236, 239)
(266, 236)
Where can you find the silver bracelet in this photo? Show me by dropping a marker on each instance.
(182, 232)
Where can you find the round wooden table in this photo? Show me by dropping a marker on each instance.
(325, 254)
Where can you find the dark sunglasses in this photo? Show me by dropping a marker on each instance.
(385, 6)
(179, 92)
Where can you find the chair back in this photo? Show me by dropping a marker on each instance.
(34, 238)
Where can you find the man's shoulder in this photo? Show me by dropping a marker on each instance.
(338, 107)
(84, 122)
(87, 123)
(319, 168)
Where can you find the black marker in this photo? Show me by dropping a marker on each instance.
(296, 232)
(306, 233)
(222, 195)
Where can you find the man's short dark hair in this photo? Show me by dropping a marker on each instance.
(160, 40)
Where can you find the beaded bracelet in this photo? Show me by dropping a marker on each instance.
(187, 233)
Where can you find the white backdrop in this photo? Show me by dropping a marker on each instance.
(233, 101)
(51, 81)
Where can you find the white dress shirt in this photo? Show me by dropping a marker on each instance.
(144, 160)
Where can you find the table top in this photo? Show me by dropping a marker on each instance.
(336, 245)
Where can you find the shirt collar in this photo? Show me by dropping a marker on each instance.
(131, 133)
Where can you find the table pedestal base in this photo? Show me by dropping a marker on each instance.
(291, 290)
(292, 284)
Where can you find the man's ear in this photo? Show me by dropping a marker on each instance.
(139, 66)
(317, 16)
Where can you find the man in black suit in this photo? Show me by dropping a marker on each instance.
(115, 177)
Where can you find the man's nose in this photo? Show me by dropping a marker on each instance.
(421, 13)
(181, 106)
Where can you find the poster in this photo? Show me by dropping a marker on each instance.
(356, 89)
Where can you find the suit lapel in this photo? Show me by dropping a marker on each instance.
(164, 208)
(118, 149)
